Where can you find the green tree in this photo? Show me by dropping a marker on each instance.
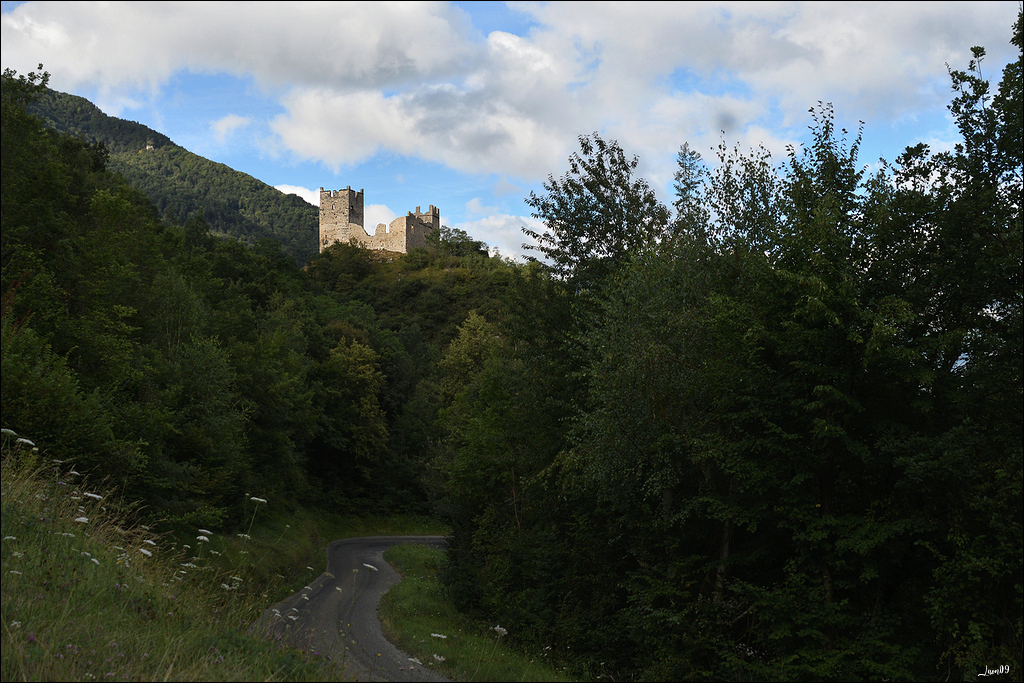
(596, 214)
(351, 435)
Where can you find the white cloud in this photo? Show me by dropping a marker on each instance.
(226, 125)
(355, 80)
(133, 43)
(503, 233)
(475, 206)
(310, 196)
(375, 214)
(465, 130)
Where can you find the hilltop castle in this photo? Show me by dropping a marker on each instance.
(341, 219)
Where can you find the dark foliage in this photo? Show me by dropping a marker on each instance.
(778, 438)
(192, 367)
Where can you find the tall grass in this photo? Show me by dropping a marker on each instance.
(88, 595)
(423, 623)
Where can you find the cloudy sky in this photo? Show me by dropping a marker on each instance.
(470, 106)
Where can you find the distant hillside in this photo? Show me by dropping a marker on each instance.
(182, 184)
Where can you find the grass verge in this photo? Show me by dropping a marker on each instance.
(417, 617)
(87, 595)
(90, 595)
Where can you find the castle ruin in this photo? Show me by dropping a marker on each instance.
(341, 220)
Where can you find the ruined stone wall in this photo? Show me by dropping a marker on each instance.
(341, 219)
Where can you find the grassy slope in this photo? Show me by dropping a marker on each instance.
(87, 595)
(82, 599)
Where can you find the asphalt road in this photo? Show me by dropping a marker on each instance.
(336, 614)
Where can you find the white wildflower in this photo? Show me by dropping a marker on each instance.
(237, 578)
(15, 624)
(245, 536)
(14, 571)
(500, 631)
(10, 538)
(370, 566)
(439, 658)
(93, 496)
(18, 554)
(258, 500)
(206, 532)
(204, 539)
(145, 552)
(82, 520)
(8, 432)
(75, 472)
(85, 554)
(149, 542)
(413, 659)
(310, 568)
(95, 561)
(25, 441)
(438, 635)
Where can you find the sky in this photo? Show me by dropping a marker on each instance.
(471, 106)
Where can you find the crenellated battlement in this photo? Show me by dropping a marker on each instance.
(341, 220)
(338, 193)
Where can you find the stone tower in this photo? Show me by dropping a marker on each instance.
(341, 220)
(339, 211)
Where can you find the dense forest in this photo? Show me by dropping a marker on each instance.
(771, 432)
(182, 184)
(192, 370)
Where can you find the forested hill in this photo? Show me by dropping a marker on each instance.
(182, 184)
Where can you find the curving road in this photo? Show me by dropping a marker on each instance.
(337, 614)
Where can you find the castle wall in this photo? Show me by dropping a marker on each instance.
(341, 219)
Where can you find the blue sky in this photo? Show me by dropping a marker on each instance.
(469, 106)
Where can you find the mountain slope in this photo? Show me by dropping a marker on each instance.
(182, 184)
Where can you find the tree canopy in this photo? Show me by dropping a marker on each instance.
(780, 438)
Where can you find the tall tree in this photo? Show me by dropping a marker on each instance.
(596, 214)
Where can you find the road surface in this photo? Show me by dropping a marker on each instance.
(336, 614)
